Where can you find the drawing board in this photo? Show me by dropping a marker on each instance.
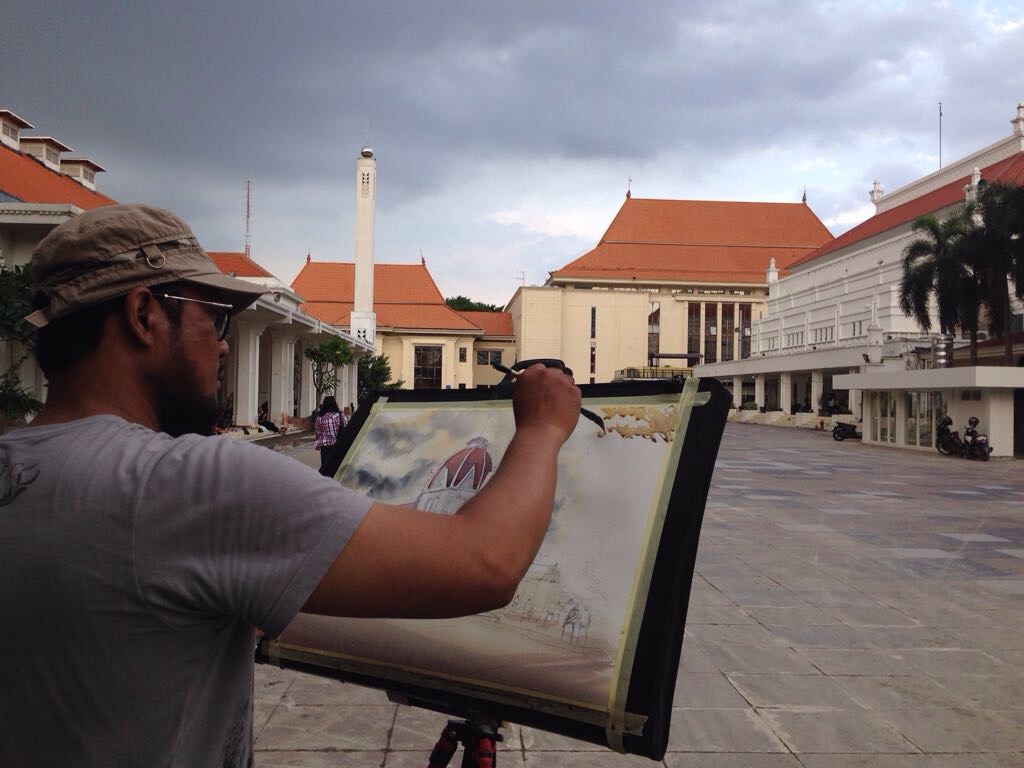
(589, 645)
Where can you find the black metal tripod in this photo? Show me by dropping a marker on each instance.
(479, 738)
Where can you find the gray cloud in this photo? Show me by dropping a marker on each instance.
(184, 102)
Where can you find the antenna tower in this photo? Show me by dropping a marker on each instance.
(940, 134)
(248, 216)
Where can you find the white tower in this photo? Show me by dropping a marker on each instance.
(363, 323)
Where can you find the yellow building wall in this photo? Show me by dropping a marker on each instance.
(537, 322)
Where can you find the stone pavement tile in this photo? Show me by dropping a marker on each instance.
(867, 761)
(762, 658)
(536, 740)
(717, 614)
(721, 730)
(319, 759)
(979, 760)
(940, 662)
(885, 694)
(996, 694)
(694, 661)
(1004, 638)
(327, 727)
(847, 731)
(856, 662)
(308, 690)
(793, 616)
(270, 683)
(706, 692)
(895, 638)
(419, 759)
(792, 691)
(836, 637)
(957, 730)
(730, 760)
(606, 759)
(417, 728)
(730, 634)
(261, 713)
(872, 616)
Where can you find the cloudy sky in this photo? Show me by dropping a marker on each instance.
(505, 132)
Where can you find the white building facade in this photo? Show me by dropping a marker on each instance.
(834, 325)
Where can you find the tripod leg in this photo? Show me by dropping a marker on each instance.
(446, 745)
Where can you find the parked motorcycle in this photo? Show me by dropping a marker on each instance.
(841, 431)
(947, 441)
(975, 446)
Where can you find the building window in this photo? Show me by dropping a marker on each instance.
(10, 131)
(593, 360)
(710, 332)
(856, 328)
(89, 174)
(728, 331)
(365, 184)
(593, 322)
(427, 367)
(971, 394)
(693, 328)
(462, 354)
(52, 155)
(745, 331)
(653, 328)
(488, 357)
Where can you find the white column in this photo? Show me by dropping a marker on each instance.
(786, 391)
(353, 385)
(759, 390)
(247, 374)
(817, 385)
(855, 399)
(282, 367)
(307, 392)
(737, 391)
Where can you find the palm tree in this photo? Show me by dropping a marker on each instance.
(934, 266)
(995, 251)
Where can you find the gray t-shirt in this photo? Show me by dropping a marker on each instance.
(134, 568)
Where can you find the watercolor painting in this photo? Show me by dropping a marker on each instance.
(559, 637)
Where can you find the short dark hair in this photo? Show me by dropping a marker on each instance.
(70, 339)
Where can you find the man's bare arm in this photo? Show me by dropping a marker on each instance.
(404, 562)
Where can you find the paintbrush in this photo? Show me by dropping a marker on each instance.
(583, 411)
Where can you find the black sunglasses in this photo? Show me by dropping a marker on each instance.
(221, 315)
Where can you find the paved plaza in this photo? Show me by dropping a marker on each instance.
(853, 606)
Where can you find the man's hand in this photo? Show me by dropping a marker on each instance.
(546, 399)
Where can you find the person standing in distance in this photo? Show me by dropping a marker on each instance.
(140, 554)
(328, 424)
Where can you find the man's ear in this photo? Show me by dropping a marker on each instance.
(143, 317)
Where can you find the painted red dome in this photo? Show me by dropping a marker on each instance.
(470, 465)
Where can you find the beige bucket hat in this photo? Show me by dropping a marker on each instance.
(106, 252)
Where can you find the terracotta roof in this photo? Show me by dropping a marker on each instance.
(27, 180)
(699, 240)
(492, 323)
(232, 261)
(404, 296)
(1009, 170)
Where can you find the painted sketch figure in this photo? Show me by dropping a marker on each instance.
(457, 480)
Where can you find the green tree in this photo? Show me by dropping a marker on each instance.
(933, 266)
(16, 401)
(375, 377)
(325, 359)
(994, 249)
(467, 304)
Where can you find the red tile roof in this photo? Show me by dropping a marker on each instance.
(699, 240)
(233, 261)
(26, 179)
(492, 323)
(404, 296)
(1009, 170)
